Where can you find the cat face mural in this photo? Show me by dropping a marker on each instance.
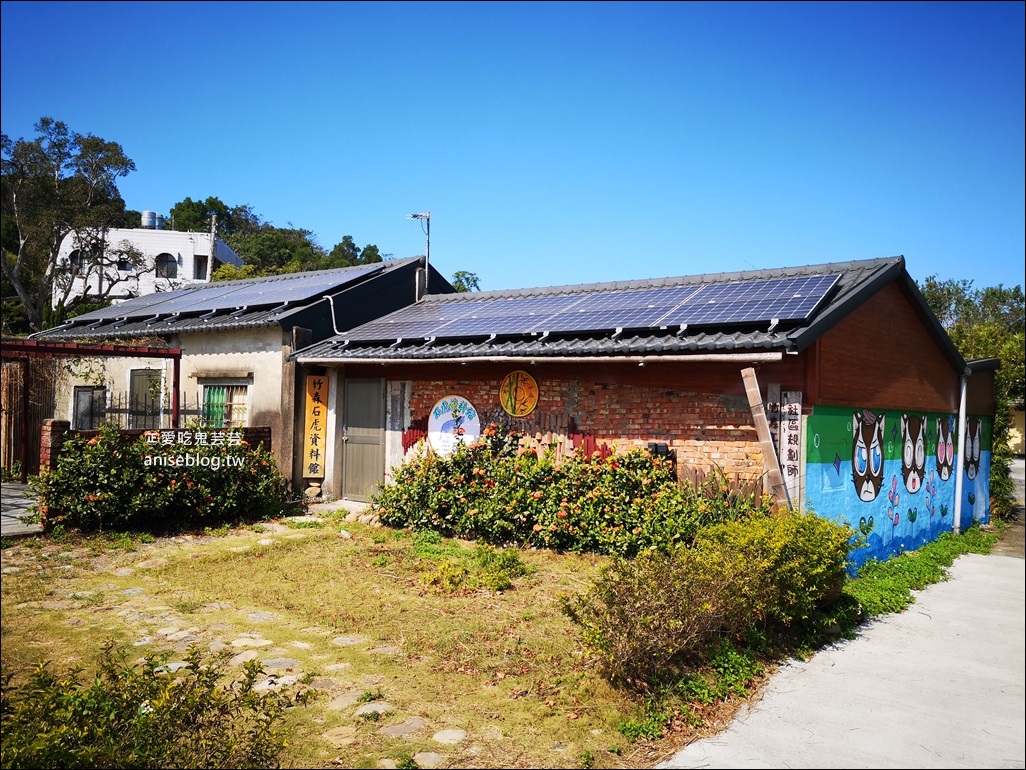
(945, 447)
(913, 452)
(973, 436)
(867, 436)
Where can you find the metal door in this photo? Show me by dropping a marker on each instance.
(363, 438)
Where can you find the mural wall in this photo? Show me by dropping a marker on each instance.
(891, 475)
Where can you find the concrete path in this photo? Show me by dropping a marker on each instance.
(940, 685)
(15, 500)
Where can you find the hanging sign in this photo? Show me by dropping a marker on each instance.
(316, 426)
(453, 420)
(518, 394)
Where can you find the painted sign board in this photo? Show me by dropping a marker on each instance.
(518, 394)
(453, 420)
(316, 426)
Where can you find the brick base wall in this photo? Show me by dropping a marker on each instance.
(707, 432)
(51, 439)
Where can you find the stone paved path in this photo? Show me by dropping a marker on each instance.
(286, 654)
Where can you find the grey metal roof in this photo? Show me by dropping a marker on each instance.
(220, 306)
(517, 332)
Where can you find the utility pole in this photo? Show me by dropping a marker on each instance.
(213, 247)
(426, 216)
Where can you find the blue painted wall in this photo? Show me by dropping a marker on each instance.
(891, 475)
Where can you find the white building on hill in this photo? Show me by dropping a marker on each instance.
(122, 263)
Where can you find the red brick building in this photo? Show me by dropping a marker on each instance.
(762, 374)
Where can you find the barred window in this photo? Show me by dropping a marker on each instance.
(225, 405)
(145, 399)
(90, 405)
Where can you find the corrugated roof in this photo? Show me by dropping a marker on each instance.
(456, 326)
(221, 306)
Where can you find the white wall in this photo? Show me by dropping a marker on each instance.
(136, 281)
(251, 356)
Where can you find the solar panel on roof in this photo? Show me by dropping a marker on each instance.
(750, 301)
(275, 290)
(234, 294)
(753, 301)
(138, 307)
(421, 320)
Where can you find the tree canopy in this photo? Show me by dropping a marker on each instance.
(266, 249)
(61, 182)
(465, 281)
(988, 323)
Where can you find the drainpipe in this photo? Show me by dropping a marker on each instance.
(176, 376)
(959, 470)
(331, 301)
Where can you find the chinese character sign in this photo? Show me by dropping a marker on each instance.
(316, 426)
(453, 420)
(790, 446)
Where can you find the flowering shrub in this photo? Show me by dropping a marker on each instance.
(494, 490)
(108, 482)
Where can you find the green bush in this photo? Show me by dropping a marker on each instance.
(142, 716)
(659, 616)
(494, 491)
(654, 616)
(798, 562)
(109, 482)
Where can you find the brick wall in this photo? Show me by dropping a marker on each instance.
(706, 431)
(51, 439)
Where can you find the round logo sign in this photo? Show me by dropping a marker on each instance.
(518, 393)
(453, 420)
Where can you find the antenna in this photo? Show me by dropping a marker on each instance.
(426, 216)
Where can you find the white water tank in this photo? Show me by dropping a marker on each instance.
(149, 220)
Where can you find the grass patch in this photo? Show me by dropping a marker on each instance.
(494, 657)
(364, 615)
(881, 588)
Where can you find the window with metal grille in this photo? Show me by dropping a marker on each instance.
(90, 406)
(225, 405)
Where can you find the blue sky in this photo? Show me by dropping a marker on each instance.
(561, 143)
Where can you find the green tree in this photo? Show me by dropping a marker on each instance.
(346, 253)
(195, 216)
(57, 184)
(465, 281)
(988, 323)
(278, 250)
